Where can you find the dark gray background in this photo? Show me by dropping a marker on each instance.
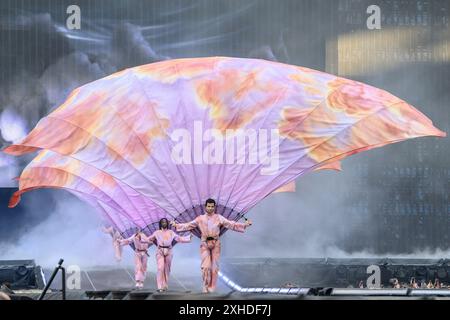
(389, 201)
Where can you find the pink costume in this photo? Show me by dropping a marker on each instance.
(164, 239)
(115, 237)
(209, 226)
(141, 245)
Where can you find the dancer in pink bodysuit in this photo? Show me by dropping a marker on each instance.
(115, 235)
(164, 238)
(141, 244)
(209, 225)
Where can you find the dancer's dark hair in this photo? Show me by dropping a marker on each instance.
(160, 223)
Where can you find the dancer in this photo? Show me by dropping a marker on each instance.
(141, 244)
(115, 235)
(209, 224)
(164, 237)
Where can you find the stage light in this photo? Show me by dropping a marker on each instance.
(369, 292)
(430, 292)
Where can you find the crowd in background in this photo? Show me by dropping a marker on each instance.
(412, 284)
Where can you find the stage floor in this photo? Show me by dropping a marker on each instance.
(117, 283)
(122, 278)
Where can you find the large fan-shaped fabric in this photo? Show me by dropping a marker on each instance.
(113, 140)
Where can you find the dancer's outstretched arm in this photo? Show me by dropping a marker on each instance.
(182, 239)
(150, 239)
(185, 226)
(125, 242)
(234, 225)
